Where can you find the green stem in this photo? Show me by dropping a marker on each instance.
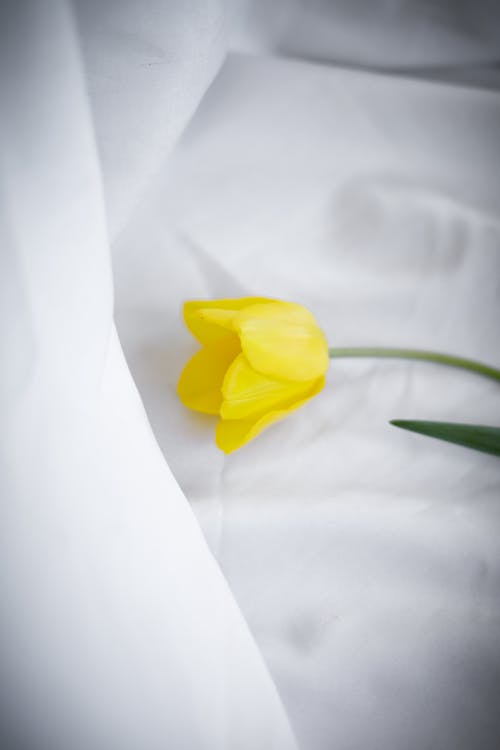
(426, 356)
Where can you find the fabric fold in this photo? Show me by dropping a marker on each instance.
(117, 627)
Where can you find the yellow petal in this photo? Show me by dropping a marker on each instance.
(248, 393)
(209, 320)
(283, 340)
(200, 384)
(232, 434)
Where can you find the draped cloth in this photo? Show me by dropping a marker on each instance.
(334, 584)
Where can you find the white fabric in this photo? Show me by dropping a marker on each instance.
(396, 34)
(117, 628)
(364, 559)
(147, 66)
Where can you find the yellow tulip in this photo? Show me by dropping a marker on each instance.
(260, 360)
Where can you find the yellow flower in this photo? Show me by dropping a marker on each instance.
(260, 360)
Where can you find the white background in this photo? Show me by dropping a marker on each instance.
(345, 157)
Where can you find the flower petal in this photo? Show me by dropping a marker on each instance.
(283, 340)
(247, 393)
(200, 383)
(210, 320)
(232, 434)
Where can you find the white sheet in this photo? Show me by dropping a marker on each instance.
(117, 629)
(365, 560)
(405, 35)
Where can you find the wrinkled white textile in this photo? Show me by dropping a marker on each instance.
(396, 34)
(365, 560)
(117, 629)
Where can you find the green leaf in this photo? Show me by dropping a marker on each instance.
(477, 436)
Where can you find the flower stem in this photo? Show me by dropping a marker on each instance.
(425, 356)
